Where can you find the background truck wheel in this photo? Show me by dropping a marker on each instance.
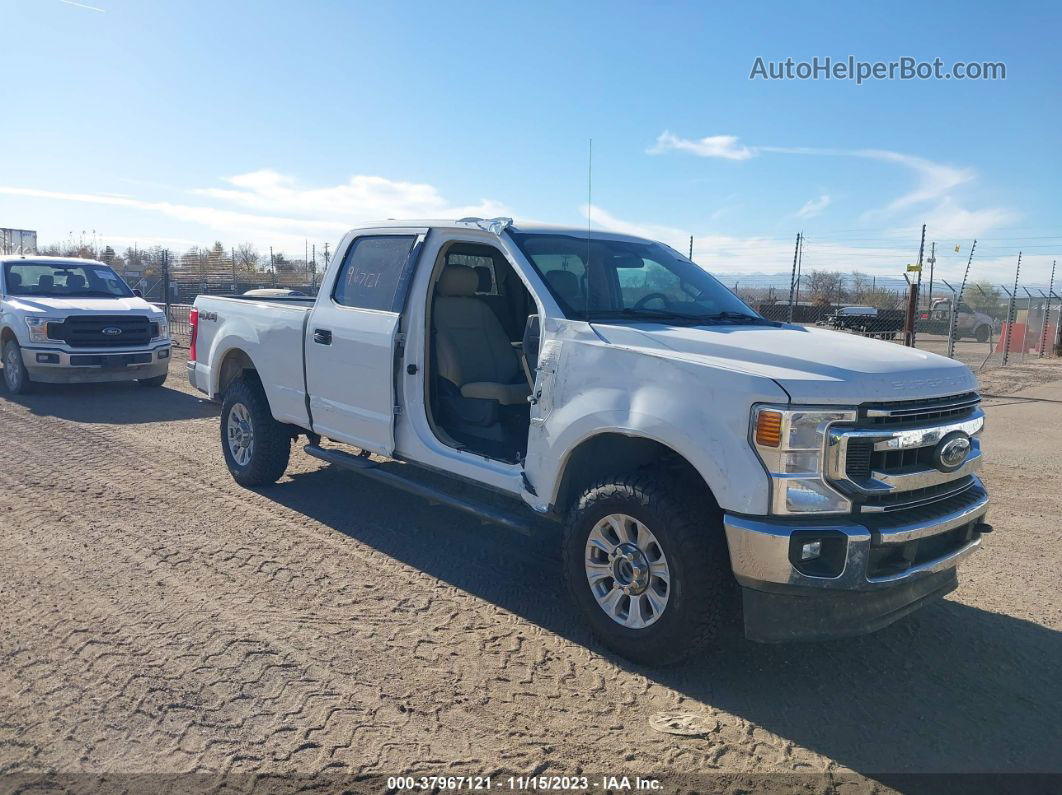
(648, 568)
(158, 380)
(16, 378)
(982, 333)
(256, 447)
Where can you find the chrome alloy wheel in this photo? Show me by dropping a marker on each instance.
(240, 434)
(627, 571)
(13, 368)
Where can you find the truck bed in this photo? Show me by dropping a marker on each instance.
(268, 330)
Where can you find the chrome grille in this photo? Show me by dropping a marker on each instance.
(904, 411)
(885, 461)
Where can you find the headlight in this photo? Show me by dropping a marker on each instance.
(164, 327)
(38, 327)
(791, 443)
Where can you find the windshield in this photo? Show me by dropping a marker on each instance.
(64, 280)
(629, 280)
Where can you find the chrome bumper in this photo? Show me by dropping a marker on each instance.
(760, 549)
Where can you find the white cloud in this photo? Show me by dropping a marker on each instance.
(756, 258)
(361, 198)
(814, 207)
(932, 199)
(723, 146)
(273, 209)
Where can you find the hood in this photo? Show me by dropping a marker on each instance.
(61, 306)
(813, 365)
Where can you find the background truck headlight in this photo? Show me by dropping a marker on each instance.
(791, 442)
(38, 327)
(163, 324)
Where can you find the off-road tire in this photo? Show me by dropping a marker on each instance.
(272, 440)
(17, 382)
(158, 380)
(702, 595)
(982, 333)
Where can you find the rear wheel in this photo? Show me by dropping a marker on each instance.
(158, 380)
(648, 568)
(256, 447)
(16, 377)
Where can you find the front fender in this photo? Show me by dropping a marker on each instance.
(698, 411)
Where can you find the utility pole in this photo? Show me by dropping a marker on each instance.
(232, 254)
(800, 266)
(313, 271)
(912, 297)
(691, 247)
(272, 266)
(792, 276)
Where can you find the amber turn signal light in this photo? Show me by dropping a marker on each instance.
(769, 429)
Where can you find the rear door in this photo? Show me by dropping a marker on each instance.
(352, 336)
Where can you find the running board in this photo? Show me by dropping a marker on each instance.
(371, 469)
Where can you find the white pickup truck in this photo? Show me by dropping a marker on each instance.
(706, 462)
(65, 320)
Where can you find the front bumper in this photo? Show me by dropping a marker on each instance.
(886, 566)
(81, 366)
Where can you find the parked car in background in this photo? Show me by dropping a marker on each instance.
(969, 321)
(66, 320)
(274, 292)
(866, 320)
(698, 454)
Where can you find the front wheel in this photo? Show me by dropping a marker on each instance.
(982, 334)
(256, 447)
(16, 377)
(648, 568)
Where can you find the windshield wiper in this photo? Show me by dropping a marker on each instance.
(739, 318)
(644, 314)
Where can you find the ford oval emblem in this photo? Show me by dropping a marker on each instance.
(952, 451)
(111, 331)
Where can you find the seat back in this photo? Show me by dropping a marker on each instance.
(470, 344)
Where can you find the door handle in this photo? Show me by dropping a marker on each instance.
(322, 336)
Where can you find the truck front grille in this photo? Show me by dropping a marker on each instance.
(904, 411)
(104, 331)
(913, 498)
(885, 460)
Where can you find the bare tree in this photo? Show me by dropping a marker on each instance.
(825, 287)
(246, 258)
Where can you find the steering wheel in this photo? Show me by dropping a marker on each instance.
(645, 299)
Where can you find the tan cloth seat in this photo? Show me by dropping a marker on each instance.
(471, 348)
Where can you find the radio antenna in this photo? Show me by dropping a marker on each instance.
(589, 210)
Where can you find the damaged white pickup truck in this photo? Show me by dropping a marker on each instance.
(706, 462)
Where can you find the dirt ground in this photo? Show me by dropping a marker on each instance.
(158, 618)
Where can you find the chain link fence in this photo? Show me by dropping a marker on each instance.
(981, 327)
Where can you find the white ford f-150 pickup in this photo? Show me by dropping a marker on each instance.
(704, 460)
(65, 320)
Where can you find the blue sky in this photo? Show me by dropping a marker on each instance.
(274, 122)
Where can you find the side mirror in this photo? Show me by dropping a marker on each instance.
(532, 337)
(138, 294)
